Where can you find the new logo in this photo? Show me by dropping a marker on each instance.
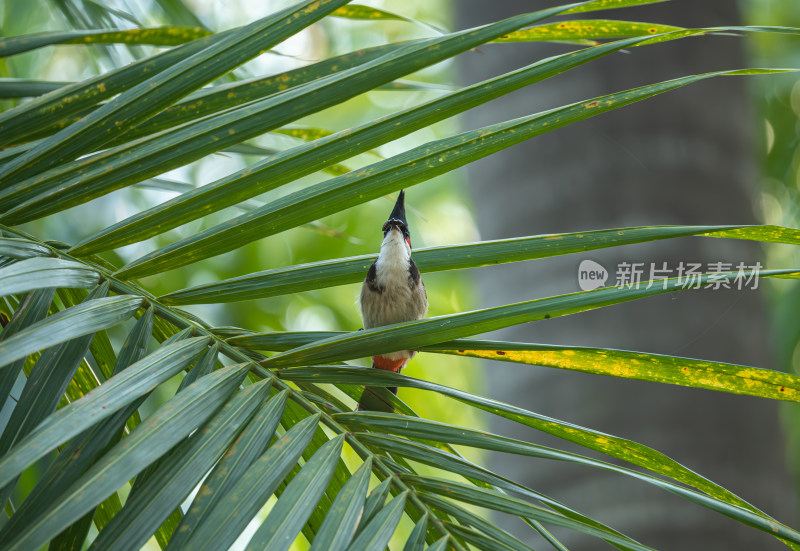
(591, 275)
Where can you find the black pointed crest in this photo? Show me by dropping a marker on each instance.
(399, 211)
(398, 218)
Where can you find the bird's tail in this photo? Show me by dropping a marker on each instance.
(376, 398)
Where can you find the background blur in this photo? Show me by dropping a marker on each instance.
(694, 157)
(720, 152)
(438, 212)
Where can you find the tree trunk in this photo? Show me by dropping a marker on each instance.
(686, 157)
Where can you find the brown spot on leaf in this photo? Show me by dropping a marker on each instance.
(500, 352)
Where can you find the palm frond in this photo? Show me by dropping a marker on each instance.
(100, 354)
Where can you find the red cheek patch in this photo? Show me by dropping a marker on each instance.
(408, 240)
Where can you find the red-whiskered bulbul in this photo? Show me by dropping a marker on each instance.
(392, 292)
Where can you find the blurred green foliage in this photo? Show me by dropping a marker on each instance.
(438, 213)
(778, 110)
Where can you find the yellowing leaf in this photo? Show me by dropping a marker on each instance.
(737, 379)
(589, 29)
(611, 4)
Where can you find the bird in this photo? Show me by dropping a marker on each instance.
(392, 292)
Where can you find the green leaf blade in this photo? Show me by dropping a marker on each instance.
(329, 273)
(31, 310)
(154, 437)
(163, 89)
(416, 334)
(441, 459)
(298, 500)
(49, 379)
(340, 523)
(226, 521)
(157, 36)
(178, 473)
(304, 159)
(715, 498)
(378, 532)
(440, 544)
(736, 379)
(609, 5)
(52, 109)
(193, 142)
(404, 170)
(416, 540)
(82, 319)
(21, 249)
(109, 397)
(374, 503)
(40, 273)
(77, 455)
(247, 448)
(12, 88)
(627, 450)
(589, 29)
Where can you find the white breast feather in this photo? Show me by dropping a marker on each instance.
(394, 304)
(391, 269)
